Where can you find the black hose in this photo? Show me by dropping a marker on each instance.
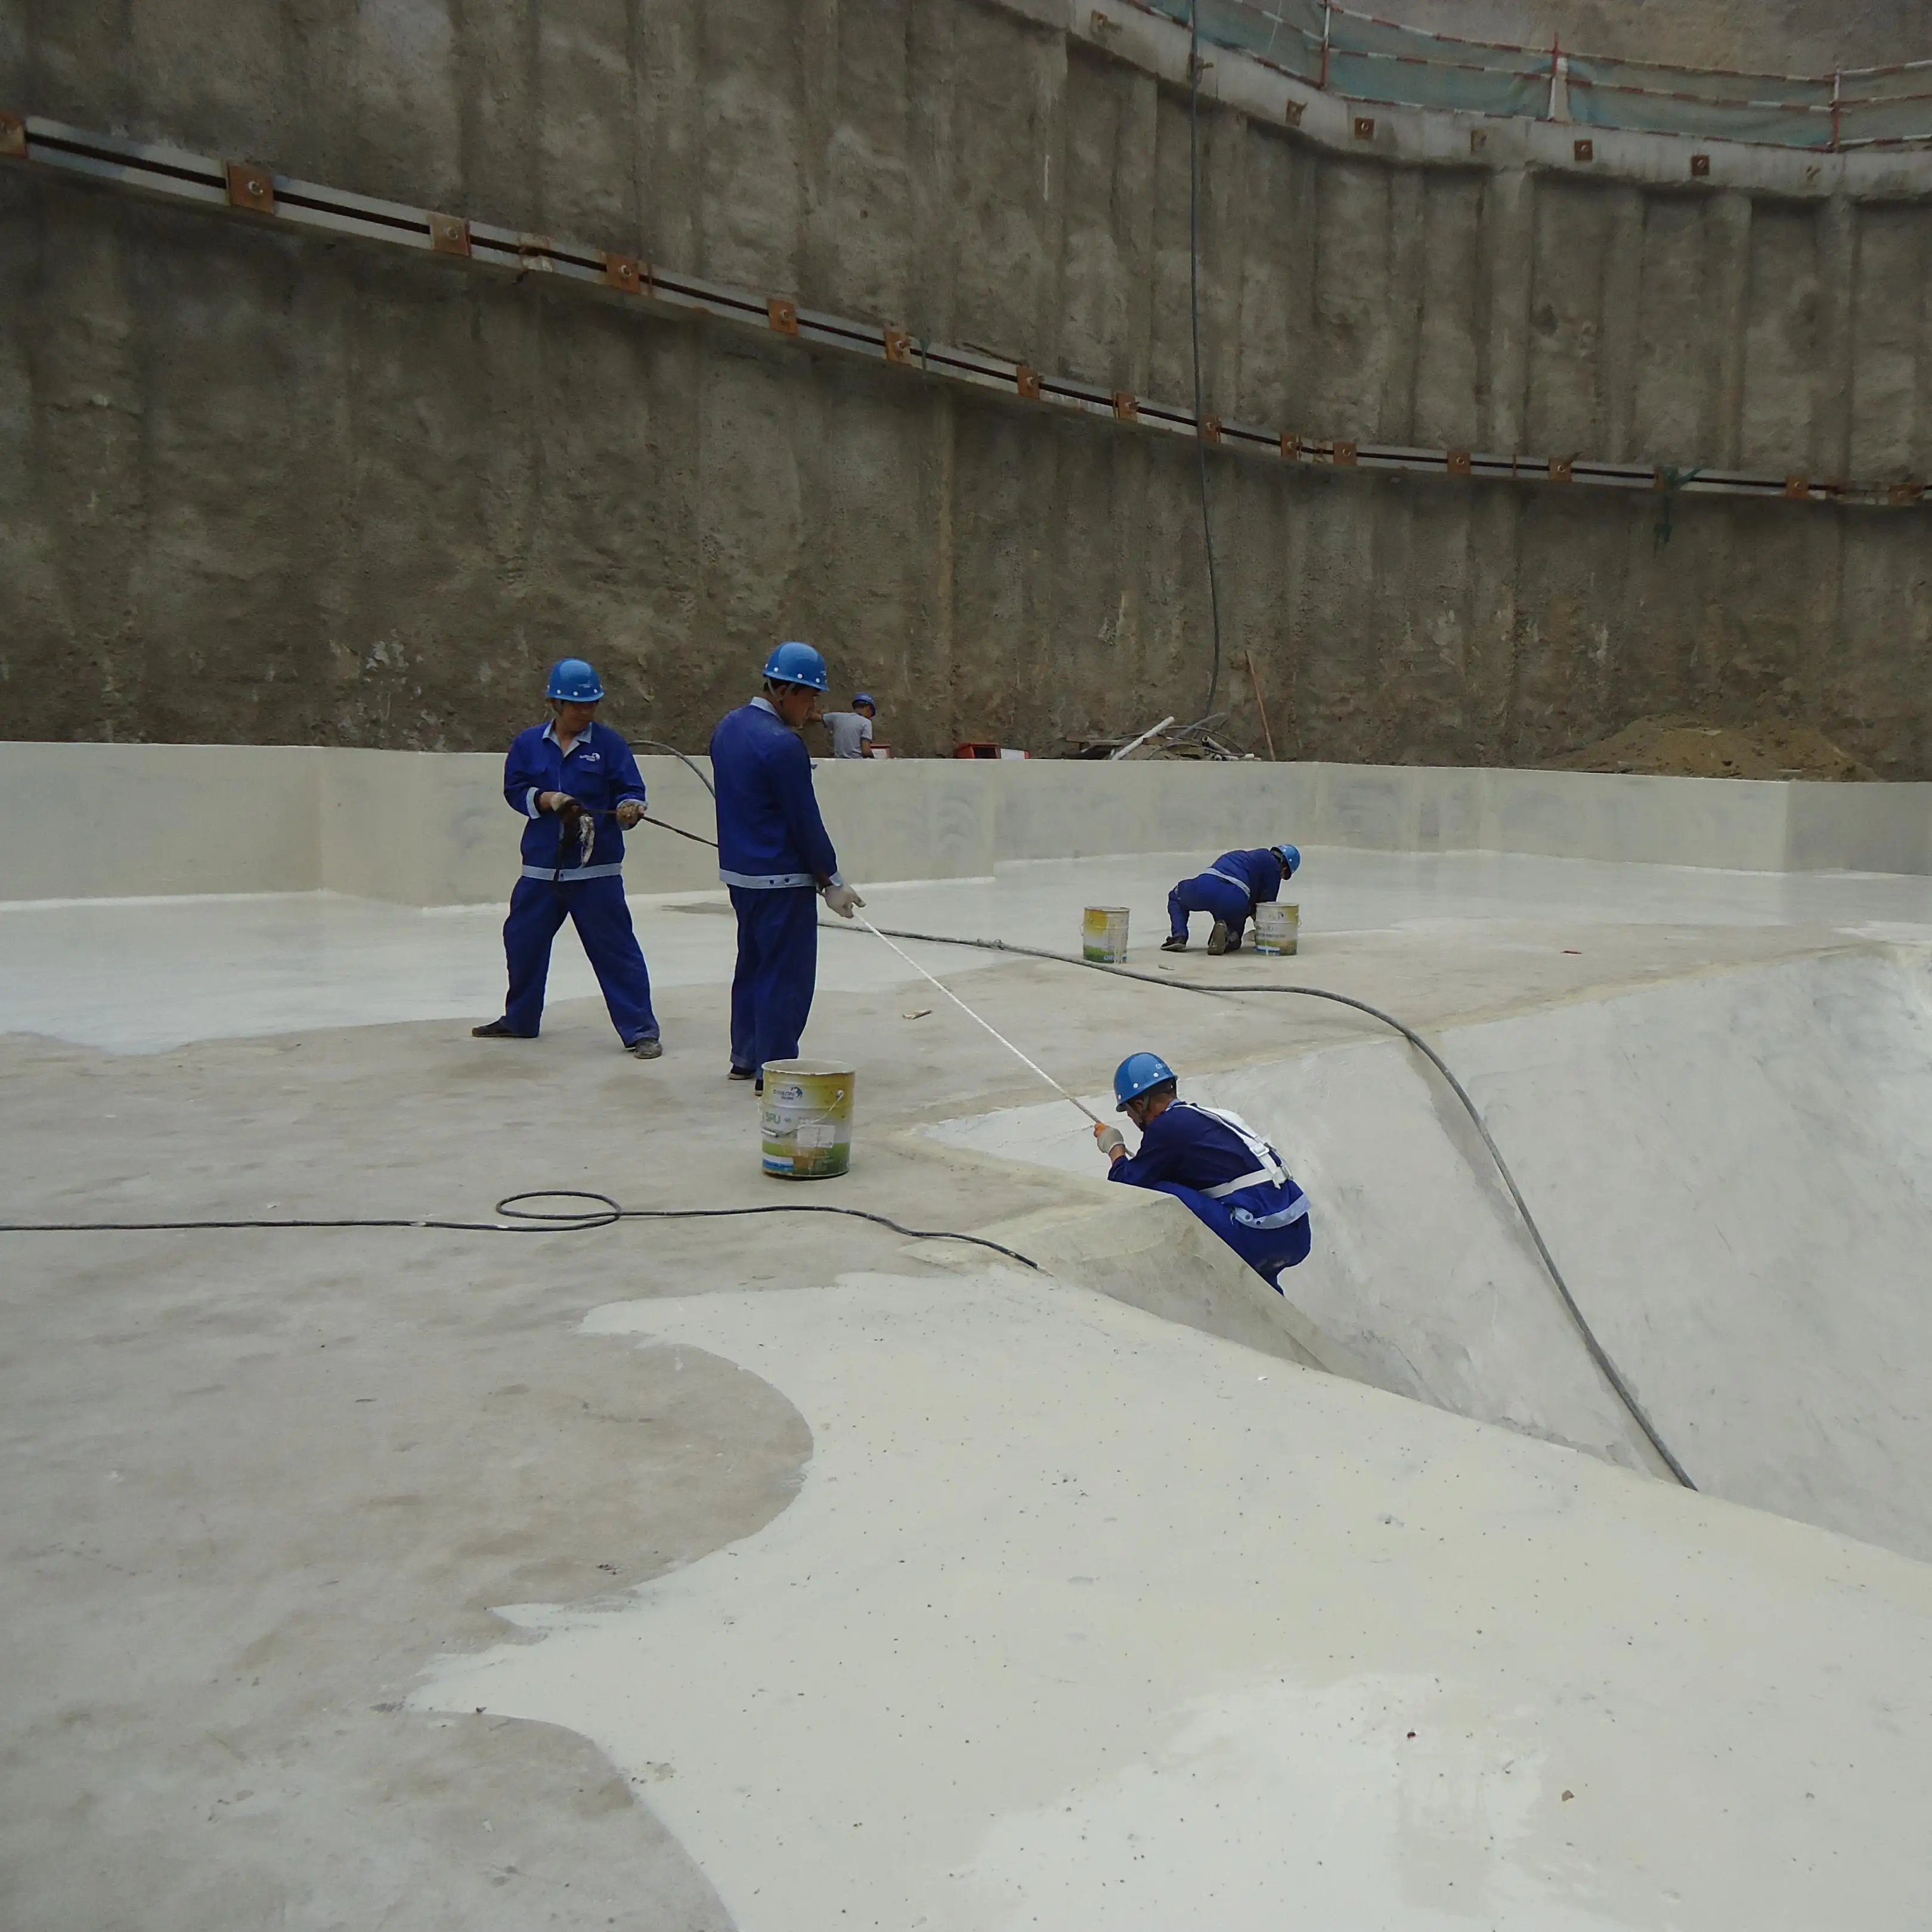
(671, 751)
(1194, 316)
(516, 1218)
(1598, 1354)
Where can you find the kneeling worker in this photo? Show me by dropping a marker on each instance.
(1230, 889)
(776, 856)
(578, 785)
(1213, 1162)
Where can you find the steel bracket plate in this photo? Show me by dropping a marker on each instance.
(449, 234)
(1291, 445)
(1026, 381)
(250, 187)
(1210, 430)
(1344, 454)
(1458, 463)
(624, 273)
(899, 347)
(13, 137)
(1559, 469)
(1798, 486)
(783, 316)
(1126, 405)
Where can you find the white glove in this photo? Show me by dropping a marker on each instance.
(1110, 1140)
(842, 900)
(629, 812)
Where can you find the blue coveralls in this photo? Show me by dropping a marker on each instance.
(558, 884)
(773, 853)
(1230, 1177)
(1229, 889)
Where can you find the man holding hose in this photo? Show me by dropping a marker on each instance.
(1210, 1161)
(577, 785)
(775, 855)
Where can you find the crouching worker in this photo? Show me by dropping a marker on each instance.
(776, 856)
(1213, 1162)
(1229, 890)
(577, 784)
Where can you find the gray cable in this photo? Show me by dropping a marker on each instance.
(1598, 1354)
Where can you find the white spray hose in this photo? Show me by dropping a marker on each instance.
(978, 1021)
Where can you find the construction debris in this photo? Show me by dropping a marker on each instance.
(1164, 740)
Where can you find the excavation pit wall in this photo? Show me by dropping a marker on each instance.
(258, 486)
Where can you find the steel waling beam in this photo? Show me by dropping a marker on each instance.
(240, 191)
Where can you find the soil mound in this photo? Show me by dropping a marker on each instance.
(1690, 748)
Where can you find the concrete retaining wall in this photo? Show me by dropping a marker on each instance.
(259, 489)
(424, 829)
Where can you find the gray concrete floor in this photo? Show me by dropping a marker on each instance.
(256, 1481)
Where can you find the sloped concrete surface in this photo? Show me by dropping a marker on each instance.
(1735, 1172)
(256, 1485)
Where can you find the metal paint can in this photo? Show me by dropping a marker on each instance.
(1103, 935)
(1277, 927)
(806, 1121)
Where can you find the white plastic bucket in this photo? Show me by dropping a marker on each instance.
(1277, 927)
(1103, 935)
(806, 1121)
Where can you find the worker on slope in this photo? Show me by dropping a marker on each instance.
(852, 730)
(1213, 1162)
(1229, 889)
(578, 786)
(776, 856)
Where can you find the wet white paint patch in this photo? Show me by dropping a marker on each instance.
(1081, 1619)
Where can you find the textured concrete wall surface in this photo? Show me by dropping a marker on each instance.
(259, 487)
(430, 829)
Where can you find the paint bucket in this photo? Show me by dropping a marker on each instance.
(1277, 927)
(807, 1118)
(1103, 935)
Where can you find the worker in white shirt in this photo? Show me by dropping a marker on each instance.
(852, 730)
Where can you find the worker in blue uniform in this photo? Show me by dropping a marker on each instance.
(775, 855)
(1229, 890)
(576, 784)
(1213, 1162)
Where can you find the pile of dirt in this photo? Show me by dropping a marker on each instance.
(1689, 748)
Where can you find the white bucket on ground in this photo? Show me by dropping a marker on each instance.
(1103, 935)
(1277, 927)
(806, 1121)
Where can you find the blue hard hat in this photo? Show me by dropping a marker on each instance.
(797, 663)
(1136, 1075)
(575, 681)
(1290, 856)
(865, 697)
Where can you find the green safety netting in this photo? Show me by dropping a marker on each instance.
(1363, 58)
(1286, 33)
(1779, 110)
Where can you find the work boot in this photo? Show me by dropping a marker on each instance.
(1176, 942)
(499, 1029)
(649, 1048)
(1217, 940)
(742, 1073)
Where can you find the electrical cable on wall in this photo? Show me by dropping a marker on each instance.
(1194, 316)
